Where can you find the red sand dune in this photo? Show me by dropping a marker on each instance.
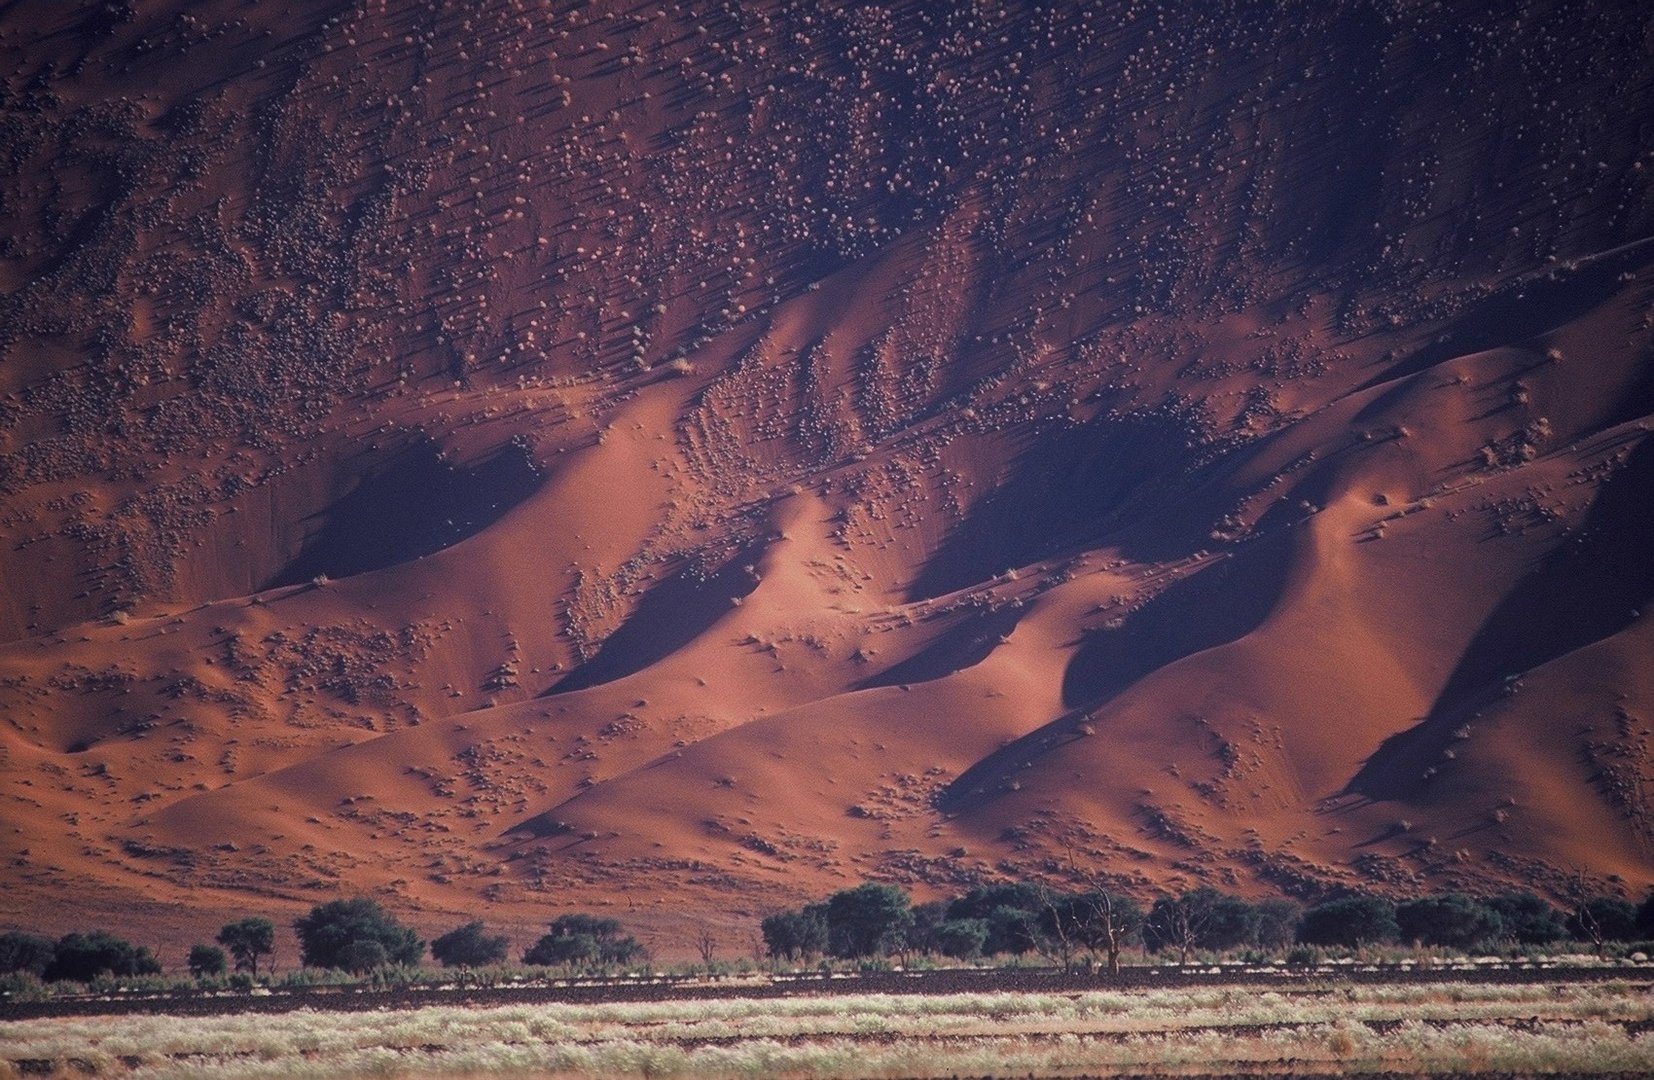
(517, 457)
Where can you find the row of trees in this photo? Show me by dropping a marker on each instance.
(874, 920)
(355, 935)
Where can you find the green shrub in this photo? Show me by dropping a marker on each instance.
(23, 986)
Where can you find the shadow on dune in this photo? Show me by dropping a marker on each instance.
(1066, 488)
(960, 646)
(670, 616)
(417, 506)
(1588, 589)
(1519, 313)
(1217, 606)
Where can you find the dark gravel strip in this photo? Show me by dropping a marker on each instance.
(1037, 980)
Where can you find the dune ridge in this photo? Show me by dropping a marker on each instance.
(686, 459)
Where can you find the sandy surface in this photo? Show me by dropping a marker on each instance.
(679, 463)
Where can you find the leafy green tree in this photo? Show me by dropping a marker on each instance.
(1645, 918)
(1234, 923)
(247, 940)
(21, 951)
(562, 950)
(961, 939)
(869, 920)
(362, 955)
(469, 946)
(1012, 911)
(83, 957)
(331, 927)
(205, 960)
(1528, 919)
(796, 935)
(1277, 924)
(1350, 920)
(1451, 919)
(580, 939)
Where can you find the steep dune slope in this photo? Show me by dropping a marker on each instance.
(523, 456)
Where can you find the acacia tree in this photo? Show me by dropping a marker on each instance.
(796, 935)
(247, 940)
(206, 960)
(869, 920)
(583, 939)
(330, 928)
(1355, 921)
(469, 946)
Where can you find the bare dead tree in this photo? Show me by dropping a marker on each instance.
(707, 945)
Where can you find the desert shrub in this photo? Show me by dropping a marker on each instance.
(1303, 956)
(330, 928)
(247, 940)
(1452, 919)
(579, 940)
(83, 957)
(869, 920)
(21, 951)
(207, 960)
(796, 935)
(22, 986)
(469, 946)
(1350, 920)
(1528, 919)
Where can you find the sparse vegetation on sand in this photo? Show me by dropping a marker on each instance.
(1428, 1029)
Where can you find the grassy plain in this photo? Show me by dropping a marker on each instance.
(1435, 1029)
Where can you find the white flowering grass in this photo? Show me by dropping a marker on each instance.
(1429, 1028)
